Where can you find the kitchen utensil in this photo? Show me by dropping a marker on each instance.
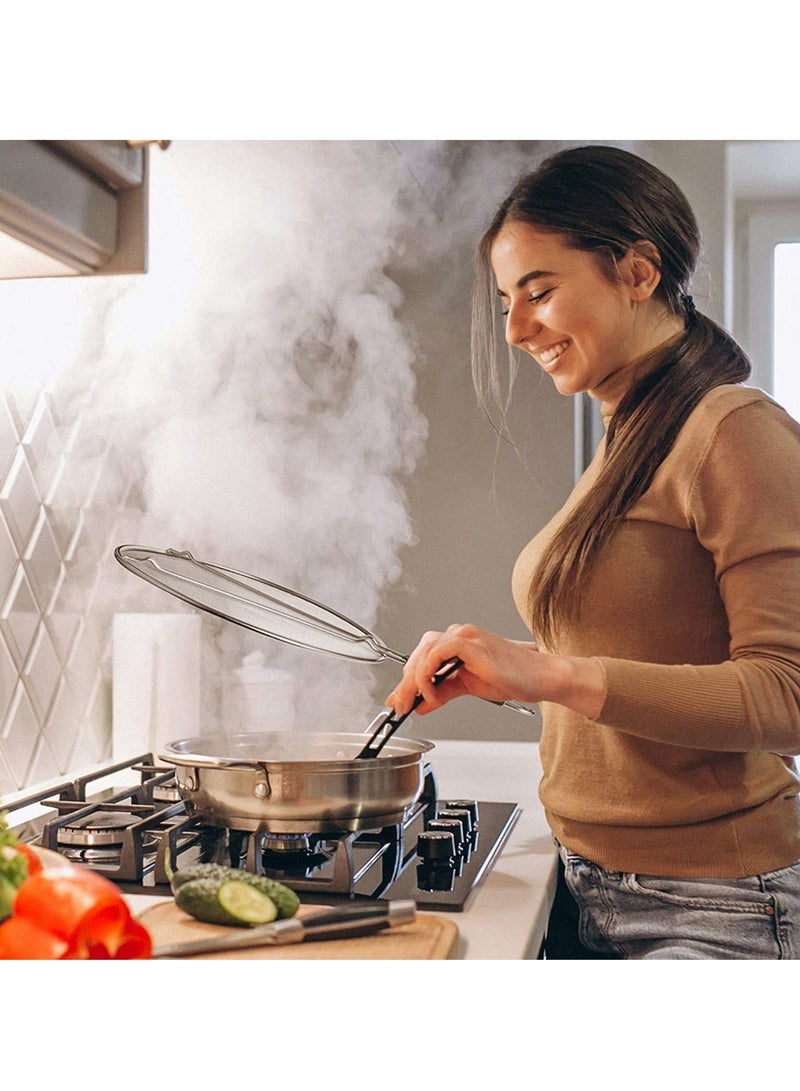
(348, 920)
(387, 721)
(296, 781)
(262, 606)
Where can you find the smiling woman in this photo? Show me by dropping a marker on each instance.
(663, 598)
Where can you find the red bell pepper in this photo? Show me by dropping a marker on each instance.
(21, 938)
(82, 912)
(31, 855)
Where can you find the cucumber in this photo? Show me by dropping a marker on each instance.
(229, 902)
(202, 871)
(199, 899)
(245, 903)
(286, 901)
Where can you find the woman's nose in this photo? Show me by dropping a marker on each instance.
(520, 325)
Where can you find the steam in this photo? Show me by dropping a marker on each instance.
(256, 392)
(252, 398)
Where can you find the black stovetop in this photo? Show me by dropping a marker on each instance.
(137, 833)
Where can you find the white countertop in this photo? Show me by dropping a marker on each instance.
(507, 915)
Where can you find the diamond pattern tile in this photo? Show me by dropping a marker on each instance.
(41, 444)
(41, 673)
(9, 677)
(42, 561)
(8, 435)
(8, 558)
(19, 499)
(19, 617)
(20, 735)
(61, 494)
(44, 764)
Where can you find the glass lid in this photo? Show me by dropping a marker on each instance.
(255, 603)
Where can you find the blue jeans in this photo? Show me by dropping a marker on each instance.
(632, 916)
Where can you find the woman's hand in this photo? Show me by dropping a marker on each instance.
(496, 669)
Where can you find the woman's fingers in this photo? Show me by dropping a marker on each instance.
(463, 642)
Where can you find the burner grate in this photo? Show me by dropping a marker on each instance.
(138, 834)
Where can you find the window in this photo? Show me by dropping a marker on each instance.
(768, 325)
(785, 326)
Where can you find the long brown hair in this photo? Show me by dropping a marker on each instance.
(608, 201)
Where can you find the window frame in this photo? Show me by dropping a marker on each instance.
(763, 226)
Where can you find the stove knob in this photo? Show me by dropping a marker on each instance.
(470, 805)
(437, 868)
(460, 815)
(449, 825)
(436, 845)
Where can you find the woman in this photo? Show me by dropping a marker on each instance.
(664, 597)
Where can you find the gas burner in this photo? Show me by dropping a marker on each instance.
(287, 855)
(140, 834)
(290, 843)
(101, 828)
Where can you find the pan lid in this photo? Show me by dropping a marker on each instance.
(254, 603)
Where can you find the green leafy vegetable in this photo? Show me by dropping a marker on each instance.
(13, 867)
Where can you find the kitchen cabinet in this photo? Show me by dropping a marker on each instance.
(72, 207)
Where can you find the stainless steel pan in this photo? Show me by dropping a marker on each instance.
(297, 782)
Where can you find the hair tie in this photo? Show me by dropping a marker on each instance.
(688, 304)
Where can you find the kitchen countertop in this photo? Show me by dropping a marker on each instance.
(507, 915)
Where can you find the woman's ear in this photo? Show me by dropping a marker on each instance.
(641, 270)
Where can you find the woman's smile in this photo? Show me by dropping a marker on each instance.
(548, 356)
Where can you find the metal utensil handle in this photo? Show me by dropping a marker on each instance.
(389, 724)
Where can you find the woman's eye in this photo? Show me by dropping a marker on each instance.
(531, 299)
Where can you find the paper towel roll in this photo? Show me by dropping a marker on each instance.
(155, 682)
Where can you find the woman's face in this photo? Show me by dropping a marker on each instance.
(580, 327)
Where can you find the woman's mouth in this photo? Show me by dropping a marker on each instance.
(549, 355)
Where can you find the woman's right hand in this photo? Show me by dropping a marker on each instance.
(496, 669)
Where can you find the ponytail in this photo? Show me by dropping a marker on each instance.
(640, 435)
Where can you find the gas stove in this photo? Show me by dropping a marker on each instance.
(128, 822)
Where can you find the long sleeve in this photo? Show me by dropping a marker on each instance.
(742, 501)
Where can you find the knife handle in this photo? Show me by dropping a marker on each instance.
(353, 920)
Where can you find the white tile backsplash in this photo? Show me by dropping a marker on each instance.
(19, 499)
(42, 561)
(55, 695)
(8, 558)
(9, 437)
(19, 617)
(41, 673)
(20, 734)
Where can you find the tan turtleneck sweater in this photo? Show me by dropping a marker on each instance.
(693, 609)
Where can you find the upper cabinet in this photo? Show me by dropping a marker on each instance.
(73, 207)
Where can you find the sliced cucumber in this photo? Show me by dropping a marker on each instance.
(231, 902)
(245, 903)
(199, 899)
(284, 898)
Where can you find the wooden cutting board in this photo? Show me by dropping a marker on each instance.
(429, 937)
